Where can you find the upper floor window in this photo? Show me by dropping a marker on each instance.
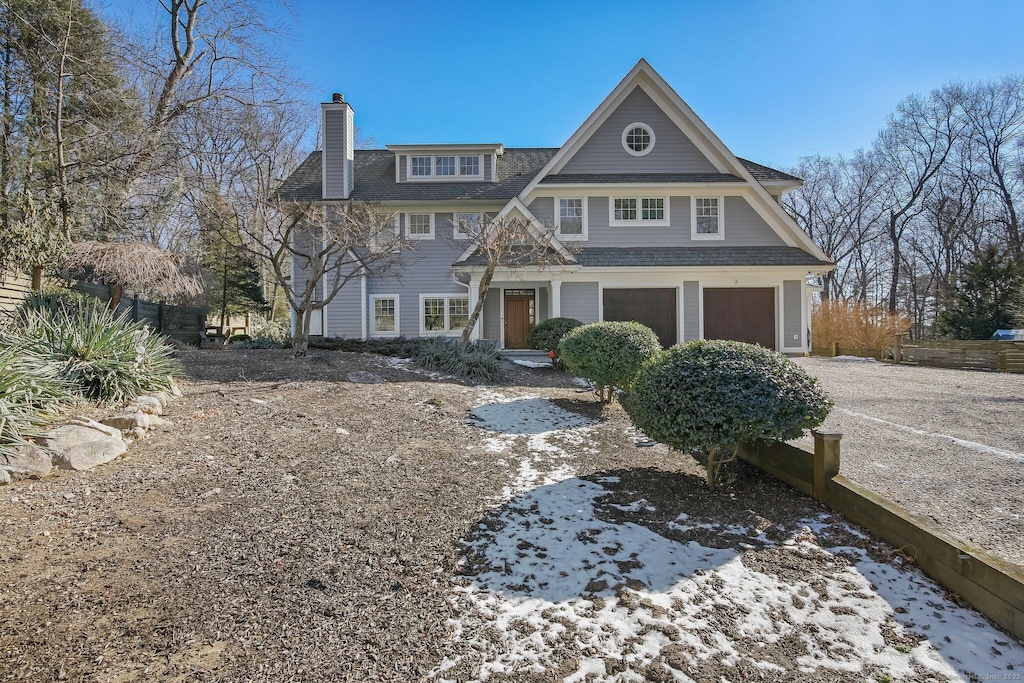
(446, 166)
(571, 220)
(422, 166)
(706, 218)
(469, 166)
(467, 223)
(419, 225)
(639, 211)
(638, 139)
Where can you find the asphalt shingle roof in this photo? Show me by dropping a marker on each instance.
(374, 171)
(697, 256)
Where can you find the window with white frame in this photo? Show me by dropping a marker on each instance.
(639, 211)
(444, 166)
(385, 315)
(469, 165)
(638, 139)
(443, 314)
(706, 218)
(421, 166)
(467, 223)
(419, 225)
(570, 221)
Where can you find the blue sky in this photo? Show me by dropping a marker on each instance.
(776, 80)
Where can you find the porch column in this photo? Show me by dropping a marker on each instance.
(556, 298)
(474, 296)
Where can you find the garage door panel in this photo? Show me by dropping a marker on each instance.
(745, 314)
(654, 307)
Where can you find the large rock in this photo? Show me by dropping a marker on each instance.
(175, 390)
(146, 404)
(27, 461)
(83, 444)
(128, 421)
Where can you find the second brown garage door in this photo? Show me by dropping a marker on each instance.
(745, 314)
(655, 308)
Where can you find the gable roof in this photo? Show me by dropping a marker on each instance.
(374, 174)
(644, 76)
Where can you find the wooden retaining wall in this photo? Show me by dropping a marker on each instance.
(994, 587)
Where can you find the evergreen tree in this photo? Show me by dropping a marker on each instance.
(984, 296)
(235, 282)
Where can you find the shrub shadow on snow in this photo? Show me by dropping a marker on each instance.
(530, 416)
(574, 538)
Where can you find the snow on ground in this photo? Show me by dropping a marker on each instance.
(552, 571)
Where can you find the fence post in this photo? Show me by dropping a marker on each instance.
(135, 309)
(160, 317)
(897, 350)
(835, 349)
(826, 461)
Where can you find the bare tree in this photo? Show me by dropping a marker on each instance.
(505, 241)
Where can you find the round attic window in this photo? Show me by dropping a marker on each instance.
(638, 139)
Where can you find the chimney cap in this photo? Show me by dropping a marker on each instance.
(337, 98)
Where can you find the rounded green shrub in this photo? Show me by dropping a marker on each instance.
(610, 354)
(546, 335)
(713, 396)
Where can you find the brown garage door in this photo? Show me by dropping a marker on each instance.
(655, 308)
(745, 314)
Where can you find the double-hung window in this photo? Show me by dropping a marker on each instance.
(467, 223)
(422, 166)
(706, 218)
(469, 165)
(385, 315)
(636, 211)
(446, 167)
(419, 226)
(443, 314)
(571, 219)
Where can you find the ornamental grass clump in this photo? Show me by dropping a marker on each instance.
(709, 397)
(476, 362)
(31, 393)
(105, 356)
(609, 354)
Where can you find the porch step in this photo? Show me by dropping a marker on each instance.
(527, 355)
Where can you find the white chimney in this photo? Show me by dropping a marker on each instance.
(338, 124)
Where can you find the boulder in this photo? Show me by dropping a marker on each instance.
(146, 404)
(129, 421)
(5, 477)
(364, 377)
(83, 444)
(138, 433)
(175, 391)
(27, 461)
(163, 397)
(156, 422)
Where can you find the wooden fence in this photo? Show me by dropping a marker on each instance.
(13, 290)
(182, 323)
(994, 587)
(988, 356)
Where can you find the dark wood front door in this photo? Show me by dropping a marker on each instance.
(745, 314)
(520, 316)
(655, 308)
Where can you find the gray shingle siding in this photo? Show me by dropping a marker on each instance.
(743, 226)
(791, 295)
(344, 313)
(335, 156)
(691, 311)
(492, 315)
(673, 152)
(638, 178)
(579, 300)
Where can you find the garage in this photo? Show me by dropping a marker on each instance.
(655, 307)
(745, 314)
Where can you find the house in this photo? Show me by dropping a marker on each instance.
(671, 229)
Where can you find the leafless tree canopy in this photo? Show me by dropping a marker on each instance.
(136, 267)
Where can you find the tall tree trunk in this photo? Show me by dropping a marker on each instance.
(64, 201)
(485, 283)
(300, 344)
(894, 280)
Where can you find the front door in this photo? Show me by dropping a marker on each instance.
(520, 316)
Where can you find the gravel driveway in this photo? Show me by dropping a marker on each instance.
(294, 526)
(948, 444)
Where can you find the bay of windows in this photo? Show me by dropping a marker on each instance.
(639, 211)
(444, 314)
(445, 166)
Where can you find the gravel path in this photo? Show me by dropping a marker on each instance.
(948, 444)
(294, 526)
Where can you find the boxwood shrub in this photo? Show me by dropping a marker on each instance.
(546, 335)
(709, 397)
(610, 354)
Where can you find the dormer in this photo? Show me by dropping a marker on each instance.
(448, 163)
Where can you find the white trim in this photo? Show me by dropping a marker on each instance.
(362, 304)
(584, 235)
(408, 225)
(373, 316)
(556, 299)
(646, 150)
(638, 221)
(447, 331)
(720, 235)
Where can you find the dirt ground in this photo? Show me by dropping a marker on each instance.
(293, 525)
(948, 444)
